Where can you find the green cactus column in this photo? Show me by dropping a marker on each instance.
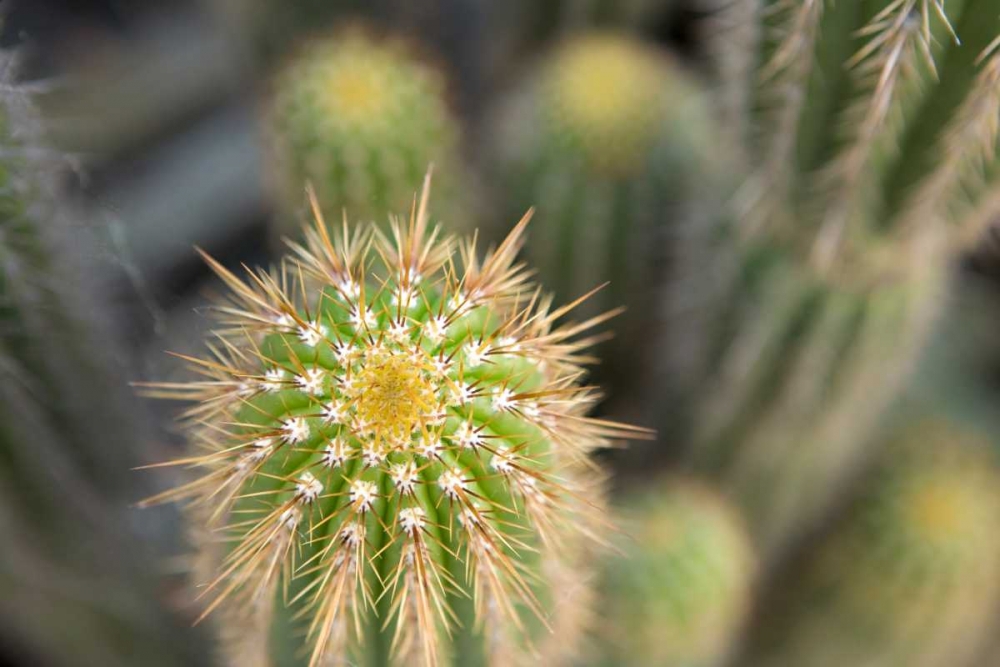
(912, 575)
(679, 591)
(77, 584)
(360, 118)
(608, 139)
(396, 446)
(868, 137)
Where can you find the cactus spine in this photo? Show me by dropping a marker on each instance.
(912, 575)
(835, 255)
(680, 591)
(397, 448)
(360, 120)
(76, 585)
(609, 136)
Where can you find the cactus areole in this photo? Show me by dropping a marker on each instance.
(395, 448)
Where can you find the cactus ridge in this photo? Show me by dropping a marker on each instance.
(868, 140)
(392, 434)
(611, 138)
(835, 174)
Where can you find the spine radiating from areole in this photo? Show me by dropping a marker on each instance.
(392, 434)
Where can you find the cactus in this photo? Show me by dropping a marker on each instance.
(360, 120)
(680, 590)
(872, 136)
(912, 575)
(395, 444)
(610, 136)
(77, 585)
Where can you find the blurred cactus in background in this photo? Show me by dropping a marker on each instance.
(360, 119)
(77, 586)
(397, 452)
(679, 591)
(912, 576)
(868, 135)
(391, 431)
(609, 139)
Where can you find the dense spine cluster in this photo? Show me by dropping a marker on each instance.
(395, 444)
(831, 264)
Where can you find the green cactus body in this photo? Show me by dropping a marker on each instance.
(399, 455)
(911, 576)
(869, 139)
(360, 120)
(608, 139)
(681, 588)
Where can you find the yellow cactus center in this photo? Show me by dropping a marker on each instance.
(394, 394)
(603, 87)
(608, 92)
(353, 94)
(938, 512)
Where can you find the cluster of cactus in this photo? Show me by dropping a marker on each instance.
(74, 587)
(868, 134)
(912, 575)
(679, 590)
(360, 119)
(608, 139)
(394, 443)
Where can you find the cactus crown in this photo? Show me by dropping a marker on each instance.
(605, 98)
(361, 119)
(391, 432)
(937, 504)
(359, 86)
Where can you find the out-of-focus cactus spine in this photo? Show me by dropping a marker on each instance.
(397, 448)
(680, 590)
(360, 119)
(823, 282)
(911, 577)
(76, 585)
(608, 138)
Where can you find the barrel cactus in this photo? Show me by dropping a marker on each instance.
(867, 132)
(394, 441)
(360, 119)
(680, 589)
(608, 135)
(912, 575)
